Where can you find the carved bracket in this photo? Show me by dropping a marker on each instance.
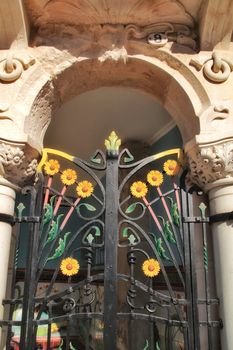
(217, 68)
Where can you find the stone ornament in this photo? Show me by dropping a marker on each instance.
(211, 163)
(11, 68)
(18, 163)
(157, 39)
(159, 34)
(217, 68)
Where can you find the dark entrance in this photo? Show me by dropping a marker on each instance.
(111, 257)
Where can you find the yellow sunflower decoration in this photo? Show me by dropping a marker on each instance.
(69, 266)
(68, 177)
(139, 189)
(54, 328)
(51, 167)
(84, 189)
(151, 267)
(171, 167)
(155, 178)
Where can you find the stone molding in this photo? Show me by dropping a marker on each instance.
(211, 165)
(18, 163)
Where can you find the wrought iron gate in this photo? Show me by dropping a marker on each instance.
(111, 257)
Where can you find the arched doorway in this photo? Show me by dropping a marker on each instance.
(168, 248)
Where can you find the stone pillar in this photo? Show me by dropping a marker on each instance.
(212, 169)
(221, 202)
(18, 164)
(7, 204)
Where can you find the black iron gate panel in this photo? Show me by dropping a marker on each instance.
(110, 251)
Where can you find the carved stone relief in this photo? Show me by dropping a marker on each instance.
(18, 163)
(100, 38)
(158, 35)
(216, 122)
(13, 65)
(216, 68)
(210, 163)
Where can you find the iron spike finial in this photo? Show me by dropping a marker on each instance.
(112, 144)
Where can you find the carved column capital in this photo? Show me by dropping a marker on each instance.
(211, 165)
(18, 163)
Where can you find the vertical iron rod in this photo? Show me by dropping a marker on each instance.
(188, 277)
(27, 335)
(110, 256)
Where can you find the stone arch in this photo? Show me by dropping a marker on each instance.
(171, 83)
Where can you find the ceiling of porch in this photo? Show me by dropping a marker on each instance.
(81, 125)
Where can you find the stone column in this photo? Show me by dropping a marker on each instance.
(18, 164)
(212, 169)
(7, 204)
(221, 202)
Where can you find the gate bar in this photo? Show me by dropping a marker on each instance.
(110, 255)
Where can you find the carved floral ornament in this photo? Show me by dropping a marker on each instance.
(217, 68)
(209, 164)
(18, 163)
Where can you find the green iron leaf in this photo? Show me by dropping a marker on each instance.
(174, 212)
(72, 347)
(168, 232)
(60, 248)
(146, 347)
(160, 249)
(132, 239)
(54, 229)
(20, 208)
(202, 208)
(90, 238)
(129, 157)
(97, 231)
(60, 345)
(125, 232)
(133, 206)
(157, 346)
(49, 211)
(87, 206)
